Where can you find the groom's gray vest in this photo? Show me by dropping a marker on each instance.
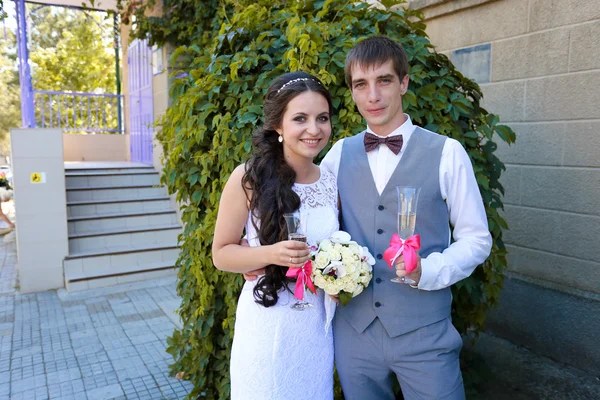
(370, 219)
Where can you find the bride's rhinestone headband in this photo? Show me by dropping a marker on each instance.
(296, 80)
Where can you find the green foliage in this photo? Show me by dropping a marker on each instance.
(71, 50)
(183, 22)
(10, 111)
(217, 102)
(2, 12)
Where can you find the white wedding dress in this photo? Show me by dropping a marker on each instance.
(279, 353)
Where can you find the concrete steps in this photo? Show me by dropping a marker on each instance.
(92, 193)
(107, 179)
(122, 227)
(92, 207)
(136, 219)
(107, 239)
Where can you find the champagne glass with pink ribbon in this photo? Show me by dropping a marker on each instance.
(405, 242)
(296, 225)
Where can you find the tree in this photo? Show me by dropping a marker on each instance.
(71, 50)
(10, 111)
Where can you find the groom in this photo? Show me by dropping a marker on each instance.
(393, 328)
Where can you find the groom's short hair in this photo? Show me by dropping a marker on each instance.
(375, 51)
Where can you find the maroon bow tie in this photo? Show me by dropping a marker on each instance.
(394, 143)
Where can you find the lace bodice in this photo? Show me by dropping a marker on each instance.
(318, 201)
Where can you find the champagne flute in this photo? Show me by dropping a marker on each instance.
(408, 198)
(296, 225)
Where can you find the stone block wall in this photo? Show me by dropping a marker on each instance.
(538, 64)
(542, 77)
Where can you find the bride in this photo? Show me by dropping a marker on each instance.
(278, 352)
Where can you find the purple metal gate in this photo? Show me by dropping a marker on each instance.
(141, 110)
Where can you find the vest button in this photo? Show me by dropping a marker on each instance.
(379, 256)
(378, 280)
(381, 208)
(380, 231)
(377, 304)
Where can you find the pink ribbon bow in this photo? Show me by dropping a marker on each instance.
(302, 276)
(407, 247)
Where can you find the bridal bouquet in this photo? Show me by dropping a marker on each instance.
(342, 267)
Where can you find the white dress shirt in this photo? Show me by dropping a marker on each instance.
(472, 239)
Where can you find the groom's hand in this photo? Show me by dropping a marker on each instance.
(253, 275)
(401, 269)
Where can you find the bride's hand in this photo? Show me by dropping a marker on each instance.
(290, 253)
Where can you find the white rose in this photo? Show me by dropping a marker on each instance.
(356, 249)
(319, 280)
(347, 254)
(334, 253)
(366, 267)
(365, 279)
(322, 260)
(358, 290)
(350, 286)
(331, 290)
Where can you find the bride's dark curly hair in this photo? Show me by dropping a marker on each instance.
(269, 178)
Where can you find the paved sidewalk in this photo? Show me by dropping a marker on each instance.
(96, 344)
(8, 254)
(519, 374)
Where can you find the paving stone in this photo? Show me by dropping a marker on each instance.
(31, 394)
(64, 375)
(104, 319)
(21, 385)
(101, 368)
(145, 338)
(117, 296)
(61, 364)
(73, 387)
(99, 307)
(130, 368)
(92, 358)
(122, 353)
(4, 377)
(129, 318)
(72, 303)
(157, 313)
(105, 392)
(7, 318)
(4, 364)
(4, 390)
(100, 380)
(115, 343)
(124, 309)
(153, 352)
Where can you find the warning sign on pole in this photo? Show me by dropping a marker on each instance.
(38, 177)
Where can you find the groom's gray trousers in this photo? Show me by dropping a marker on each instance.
(424, 361)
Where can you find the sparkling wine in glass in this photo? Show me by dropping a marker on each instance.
(408, 197)
(296, 225)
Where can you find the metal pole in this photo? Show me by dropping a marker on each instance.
(27, 108)
(117, 69)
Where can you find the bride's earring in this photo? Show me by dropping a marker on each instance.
(280, 139)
